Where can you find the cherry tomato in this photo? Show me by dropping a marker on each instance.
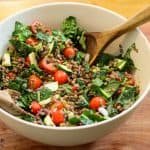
(11, 75)
(35, 107)
(75, 88)
(35, 25)
(34, 82)
(47, 66)
(61, 77)
(69, 52)
(58, 105)
(96, 102)
(32, 41)
(58, 117)
(27, 61)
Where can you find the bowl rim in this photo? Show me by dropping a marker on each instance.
(125, 112)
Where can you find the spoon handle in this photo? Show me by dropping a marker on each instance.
(137, 20)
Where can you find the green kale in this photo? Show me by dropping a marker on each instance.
(45, 93)
(101, 74)
(74, 120)
(95, 87)
(81, 83)
(19, 84)
(57, 40)
(70, 28)
(25, 99)
(104, 59)
(127, 96)
(44, 37)
(109, 89)
(80, 57)
(89, 117)
(93, 116)
(72, 31)
(112, 111)
(22, 48)
(129, 66)
(21, 32)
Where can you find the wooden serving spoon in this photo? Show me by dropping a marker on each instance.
(9, 105)
(98, 41)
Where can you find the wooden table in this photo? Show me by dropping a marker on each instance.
(134, 134)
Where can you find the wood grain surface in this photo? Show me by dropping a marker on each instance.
(132, 135)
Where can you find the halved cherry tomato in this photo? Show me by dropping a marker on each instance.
(35, 107)
(32, 41)
(61, 77)
(96, 102)
(47, 66)
(69, 52)
(11, 75)
(58, 117)
(34, 82)
(27, 61)
(34, 26)
(75, 88)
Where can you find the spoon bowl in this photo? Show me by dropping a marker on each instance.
(98, 41)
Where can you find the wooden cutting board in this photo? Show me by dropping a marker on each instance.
(134, 134)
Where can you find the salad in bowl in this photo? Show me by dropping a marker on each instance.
(48, 68)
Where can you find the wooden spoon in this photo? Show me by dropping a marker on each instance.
(8, 104)
(98, 41)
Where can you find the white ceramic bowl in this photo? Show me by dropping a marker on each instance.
(92, 18)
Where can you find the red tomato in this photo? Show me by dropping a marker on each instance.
(27, 61)
(47, 66)
(35, 107)
(96, 102)
(32, 41)
(34, 26)
(34, 82)
(11, 75)
(75, 88)
(61, 77)
(69, 52)
(58, 117)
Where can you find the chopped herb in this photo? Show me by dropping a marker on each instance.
(21, 32)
